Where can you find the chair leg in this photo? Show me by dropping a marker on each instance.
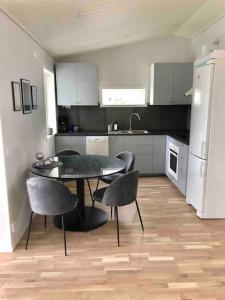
(117, 226)
(89, 187)
(28, 234)
(111, 212)
(139, 215)
(45, 222)
(97, 184)
(64, 235)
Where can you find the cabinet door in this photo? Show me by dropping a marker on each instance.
(159, 154)
(115, 145)
(66, 84)
(77, 143)
(161, 85)
(183, 81)
(87, 84)
(142, 147)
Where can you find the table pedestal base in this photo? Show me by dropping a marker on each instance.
(91, 218)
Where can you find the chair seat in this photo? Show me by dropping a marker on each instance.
(111, 178)
(98, 194)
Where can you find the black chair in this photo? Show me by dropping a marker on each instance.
(49, 198)
(122, 191)
(129, 159)
(67, 152)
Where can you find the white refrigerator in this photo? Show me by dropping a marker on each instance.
(206, 162)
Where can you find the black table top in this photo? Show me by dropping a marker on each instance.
(82, 166)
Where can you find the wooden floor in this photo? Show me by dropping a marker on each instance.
(178, 257)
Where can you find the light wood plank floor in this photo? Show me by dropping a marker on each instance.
(178, 257)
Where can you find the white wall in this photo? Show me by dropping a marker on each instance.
(23, 135)
(213, 34)
(129, 66)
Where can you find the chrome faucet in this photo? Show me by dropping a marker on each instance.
(132, 115)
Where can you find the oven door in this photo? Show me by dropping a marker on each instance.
(173, 164)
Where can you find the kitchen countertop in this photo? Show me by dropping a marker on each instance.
(180, 135)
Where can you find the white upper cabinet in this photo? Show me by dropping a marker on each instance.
(77, 84)
(169, 82)
(66, 84)
(182, 82)
(87, 84)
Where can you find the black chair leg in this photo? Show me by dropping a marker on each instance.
(64, 235)
(28, 234)
(45, 222)
(139, 215)
(89, 187)
(117, 226)
(97, 184)
(111, 212)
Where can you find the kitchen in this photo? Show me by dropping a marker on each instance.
(155, 92)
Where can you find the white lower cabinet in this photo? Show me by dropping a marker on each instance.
(77, 143)
(149, 150)
(115, 145)
(144, 164)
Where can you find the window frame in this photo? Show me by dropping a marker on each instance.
(47, 72)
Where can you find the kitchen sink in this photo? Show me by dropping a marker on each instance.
(134, 131)
(139, 131)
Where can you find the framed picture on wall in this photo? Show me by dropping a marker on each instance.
(34, 97)
(26, 96)
(16, 95)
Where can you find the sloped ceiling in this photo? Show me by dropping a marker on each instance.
(67, 27)
(209, 12)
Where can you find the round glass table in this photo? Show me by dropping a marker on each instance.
(79, 168)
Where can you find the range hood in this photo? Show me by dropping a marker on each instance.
(189, 92)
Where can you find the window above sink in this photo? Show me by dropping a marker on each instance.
(123, 97)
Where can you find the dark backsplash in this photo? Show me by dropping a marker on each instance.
(94, 118)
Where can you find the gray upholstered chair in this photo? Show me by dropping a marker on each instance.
(67, 152)
(122, 191)
(129, 158)
(49, 198)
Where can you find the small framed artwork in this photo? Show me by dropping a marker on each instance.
(26, 96)
(34, 97)
(16, 95)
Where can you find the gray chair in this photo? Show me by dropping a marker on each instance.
(49, 198)
(129, 158)
(67, 152)
(122, 191)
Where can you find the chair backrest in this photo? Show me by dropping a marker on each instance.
(67, 152)
(129, 158)
(122, 191)
(48, 197)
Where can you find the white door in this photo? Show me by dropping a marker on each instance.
(200, 111)
(196, 182)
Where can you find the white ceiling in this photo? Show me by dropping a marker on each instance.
(66, 27)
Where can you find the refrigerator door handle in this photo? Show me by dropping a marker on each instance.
(203, 149)
(203, 169)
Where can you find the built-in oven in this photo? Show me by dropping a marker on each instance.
(173, 160)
